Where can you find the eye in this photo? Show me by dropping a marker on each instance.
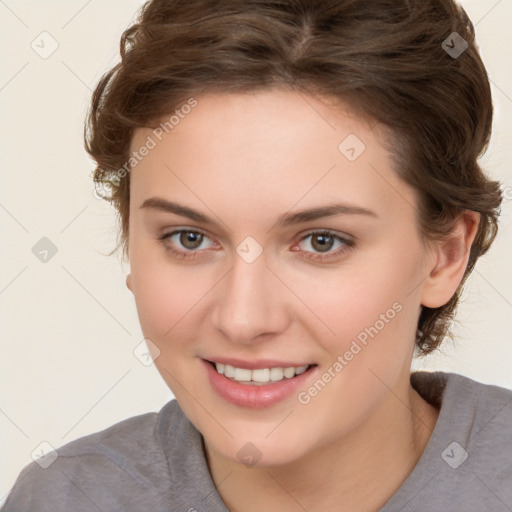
(318, 245)
(324, 244)
(185, 242)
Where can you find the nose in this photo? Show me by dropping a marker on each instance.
(250, 304)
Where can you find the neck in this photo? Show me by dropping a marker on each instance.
(358, 473)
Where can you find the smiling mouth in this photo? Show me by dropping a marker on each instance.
(261, 375)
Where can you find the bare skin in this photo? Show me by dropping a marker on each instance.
(358, 474)
(244, 160)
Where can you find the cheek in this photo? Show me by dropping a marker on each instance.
(166, 295)
(364, 302)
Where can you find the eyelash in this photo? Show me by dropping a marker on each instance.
(186, 254)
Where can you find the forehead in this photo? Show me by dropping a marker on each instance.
(257, 150)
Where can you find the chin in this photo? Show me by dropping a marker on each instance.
(258, 451)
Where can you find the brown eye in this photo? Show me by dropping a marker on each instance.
(323, 245)
(322, 242)
(191, 239)
(187, 243)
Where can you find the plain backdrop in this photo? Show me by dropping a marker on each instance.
(69, 324)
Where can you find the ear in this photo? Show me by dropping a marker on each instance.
(450, 258)
(129, 282)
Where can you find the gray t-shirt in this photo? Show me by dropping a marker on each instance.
(156, 462)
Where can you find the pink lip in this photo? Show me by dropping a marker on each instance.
(255, 396)
(255, 365)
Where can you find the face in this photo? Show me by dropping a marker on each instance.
(264, 235)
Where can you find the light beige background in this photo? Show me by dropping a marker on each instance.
(69, 326)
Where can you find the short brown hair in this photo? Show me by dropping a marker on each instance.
(386, 58)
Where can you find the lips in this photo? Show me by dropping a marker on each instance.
(257, 393)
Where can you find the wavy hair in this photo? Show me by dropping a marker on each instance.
(388, 59)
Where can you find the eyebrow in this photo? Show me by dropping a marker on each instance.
(286, 219)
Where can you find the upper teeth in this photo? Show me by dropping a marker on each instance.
(261, 374)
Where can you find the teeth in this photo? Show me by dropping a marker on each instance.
(289, 372)
(301, 369)
(276, 374)
(229, 371)
(261, 375)
(242, 374)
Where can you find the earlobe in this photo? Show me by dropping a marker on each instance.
(129, 282)
(452, 256)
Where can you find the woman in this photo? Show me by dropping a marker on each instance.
(301, 203)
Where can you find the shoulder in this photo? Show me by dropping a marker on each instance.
(468, 459)
(477, 416)
(464, 400)
(109, 470)
(452, 389)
